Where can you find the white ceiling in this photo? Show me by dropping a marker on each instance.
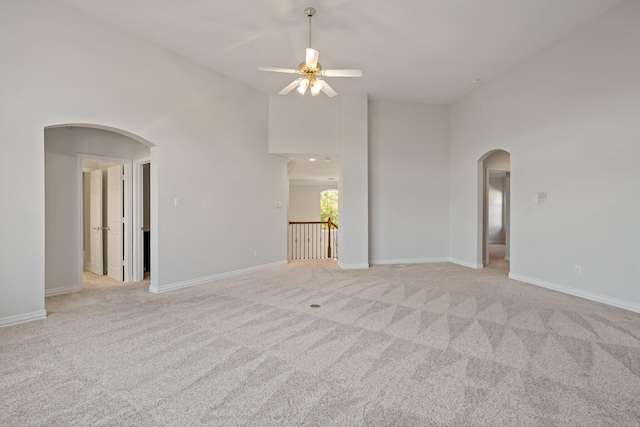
(324, 168)
(411, 50)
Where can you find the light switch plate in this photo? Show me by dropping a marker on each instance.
(542, 197)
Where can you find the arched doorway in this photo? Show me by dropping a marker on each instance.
(494, 213)
(68, 149)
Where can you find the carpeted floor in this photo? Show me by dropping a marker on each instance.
(419, 345)
(92, 281)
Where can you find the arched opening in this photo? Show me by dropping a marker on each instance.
(73, 153)
(494, 213)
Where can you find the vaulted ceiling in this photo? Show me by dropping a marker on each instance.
(410, 50)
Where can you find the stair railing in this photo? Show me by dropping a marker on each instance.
(313, 239)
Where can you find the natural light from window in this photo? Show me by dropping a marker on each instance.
(329, 206)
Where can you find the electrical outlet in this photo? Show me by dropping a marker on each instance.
(578, 270)
(416, 246)
(256, 253)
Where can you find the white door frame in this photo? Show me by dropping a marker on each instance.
(128, 213)
(138, 219)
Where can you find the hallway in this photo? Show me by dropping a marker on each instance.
(497, 263)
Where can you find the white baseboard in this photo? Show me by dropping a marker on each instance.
(23, 318)
(213, 278)
(466, 264)
(353, 266)
(59, 291)
(577, 292)
(407, 261)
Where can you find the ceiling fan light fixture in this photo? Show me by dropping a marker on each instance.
(311, 71)
(304, 84)
(316, 87)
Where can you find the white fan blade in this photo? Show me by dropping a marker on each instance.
(342, 73)
(328, 90)
(312, 58)
(291, 87)
(278, 70)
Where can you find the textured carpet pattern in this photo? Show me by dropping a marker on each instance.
(409, 345)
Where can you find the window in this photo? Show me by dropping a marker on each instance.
(329, 206)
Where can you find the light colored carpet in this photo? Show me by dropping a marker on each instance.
(408, 345)
(92, 281)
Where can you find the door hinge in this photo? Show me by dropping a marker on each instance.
(122, 176)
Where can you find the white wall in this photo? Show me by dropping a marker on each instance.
(304, 201)
(408, 182)
(61, 147)
(304, 124)
(353, 188)
(62, 66)
(320, 125)
(569, 118)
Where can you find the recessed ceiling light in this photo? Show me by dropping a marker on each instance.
(475, 81)
(331, 179)
(311, 159)
(327, 159)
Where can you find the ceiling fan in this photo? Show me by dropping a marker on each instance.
(311, 71)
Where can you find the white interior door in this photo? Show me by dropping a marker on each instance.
(95, 222)
(115, 213)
